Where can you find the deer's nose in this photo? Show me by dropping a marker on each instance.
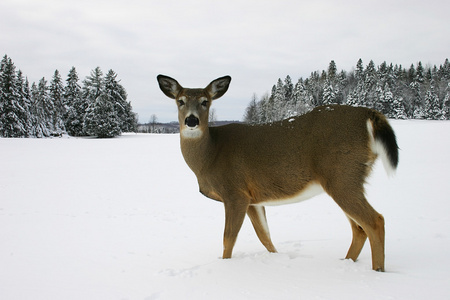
(191, 121)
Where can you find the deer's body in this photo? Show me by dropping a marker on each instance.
(247, 167)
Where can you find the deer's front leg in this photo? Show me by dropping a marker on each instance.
(235, 211)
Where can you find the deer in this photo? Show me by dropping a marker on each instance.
(330, 149)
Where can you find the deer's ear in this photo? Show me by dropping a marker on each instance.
(218, 87)
(169, 86)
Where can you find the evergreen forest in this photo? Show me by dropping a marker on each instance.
(417, 92)
(98, 107)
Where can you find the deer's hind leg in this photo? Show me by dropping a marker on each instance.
(364, 221)
(358, 240)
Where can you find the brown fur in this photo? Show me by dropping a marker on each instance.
(243, 166)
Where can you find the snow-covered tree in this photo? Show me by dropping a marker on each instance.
(93, 86)
(42, 109)
(288, 88)
(262, 109)
(446, 102)
(118, 96)
(279, 98)
(358, 96)
(340, 86)
(302, 98)
(432, 107)
(416, 101)
(332, 72)
(13, 114)
(24, 102)
(398, 109)
(420, 73)
(56, 92)
(101, 118)
(359, 72)
(352, 99)
(250, 115)
(370, 85)
(387, 100)
(329, 96)
(445, 70)
(412, 73)
(75, 105)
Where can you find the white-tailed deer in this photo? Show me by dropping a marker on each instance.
(331, 149)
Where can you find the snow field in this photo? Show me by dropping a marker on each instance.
(122, 218)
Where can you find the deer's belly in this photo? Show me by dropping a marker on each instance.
(310, 191)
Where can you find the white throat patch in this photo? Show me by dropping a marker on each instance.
(191, 133)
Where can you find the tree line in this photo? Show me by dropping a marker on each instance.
(97, 108)
(417, 92)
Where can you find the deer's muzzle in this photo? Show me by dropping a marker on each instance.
(191, 121)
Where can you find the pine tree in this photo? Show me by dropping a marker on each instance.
(130, 123)
(42, 109)
(329, 96)
(341, 85)
(75, 105)
(250, 115)
(446, 70)
(290, 104)
(315, 89)
(379, 99)
(269, 107)
(332, 72)
(263, 108)
(420, 73)
(359, 73)
(101, 119)
(93, 86)
(13, 121)
(382, 73)
(24, 102)
(398, 109)
(416, 101)
(279, 99)
(411, 73)
(429, 74)
(118, 96)
(27, 93)
(33, 111)
(302, 98)
(446, 103)
(370, 85)
(56, 91)
(351, 99)
(358, 96)
(432, 107)
(288, 88)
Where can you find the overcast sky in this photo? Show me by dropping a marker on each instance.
(255, 42)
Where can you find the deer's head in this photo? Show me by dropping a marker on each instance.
(193, 104)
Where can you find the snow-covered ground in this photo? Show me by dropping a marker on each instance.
(122, 219)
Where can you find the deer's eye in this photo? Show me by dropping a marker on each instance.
(180, 103)
(205, 103)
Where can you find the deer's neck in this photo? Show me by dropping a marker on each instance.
(197, 152)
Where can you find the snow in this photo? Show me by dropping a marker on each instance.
(122, 218)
